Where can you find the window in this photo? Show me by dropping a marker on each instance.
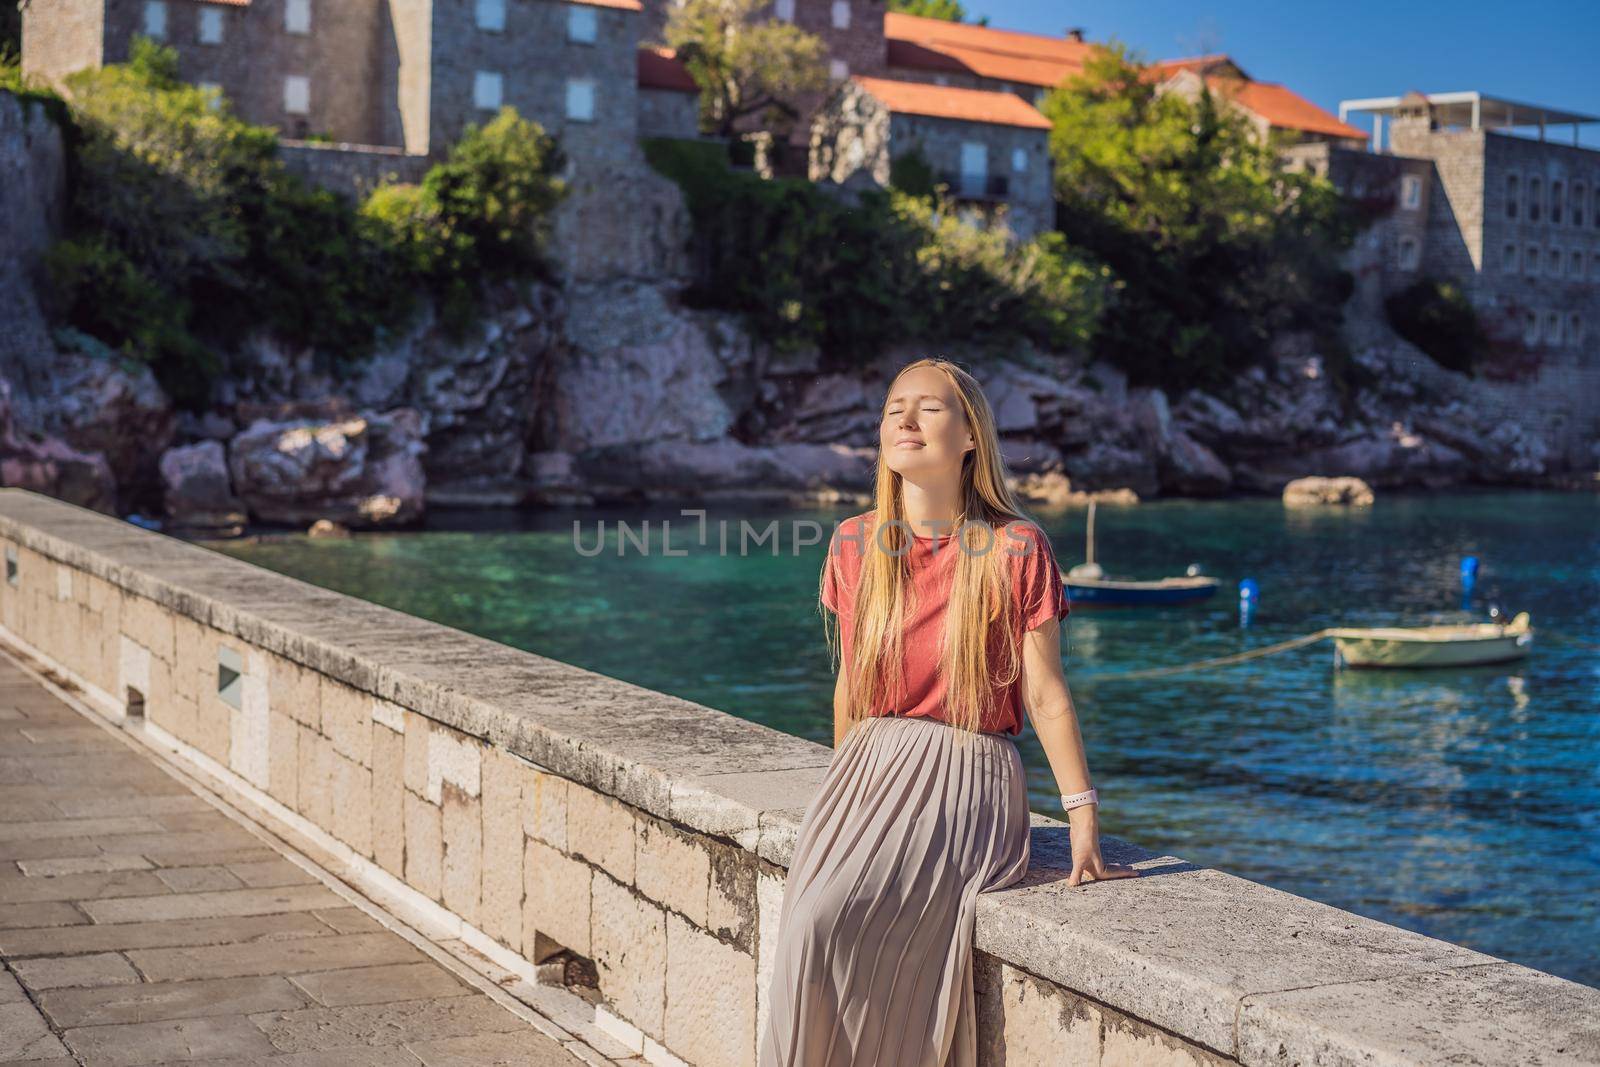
(974, 167)
(297, 16)
(297, 94)
(1038, 97)
(582, 23)
(487, 90)
(1513, 194)
(1555, 263)
(1552, 327)
(841, 14)
(155, 19)
(210, 25)
(1019, 159)
(1410, 192)
(491, 15)
(1530, 261)
(838, 69)
(1575, 329)
(1530, 329)
(1509, 260)
(1535, 195)
(1556, 189)
(230, 676)
(1594, 267)
(1575, 267)
(784, 9)
(214, 92)
(940, 79)
(1410, 253)
(11, 566)
(580, 99)
(1578, 197)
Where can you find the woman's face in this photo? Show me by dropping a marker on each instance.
(924, 430)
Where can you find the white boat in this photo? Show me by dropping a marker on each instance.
(1088, 583)
(1447, 645)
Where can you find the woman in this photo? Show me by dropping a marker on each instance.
(947, 602)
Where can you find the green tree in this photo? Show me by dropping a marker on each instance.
(949, 10)
(744, 62)
(1438, 318)
(1215, 247)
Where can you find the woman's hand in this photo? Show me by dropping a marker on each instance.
(1087, 865)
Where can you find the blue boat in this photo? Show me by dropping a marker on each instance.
(1088, 584)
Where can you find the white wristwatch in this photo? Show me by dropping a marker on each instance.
(1077, 800)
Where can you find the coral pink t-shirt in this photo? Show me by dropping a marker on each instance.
(1036, 585)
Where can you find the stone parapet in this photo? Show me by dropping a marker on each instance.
(548, 808)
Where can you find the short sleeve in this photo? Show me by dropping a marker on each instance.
(835, 574)
(1040, 590)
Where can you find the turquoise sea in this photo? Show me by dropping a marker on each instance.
(1462, 803)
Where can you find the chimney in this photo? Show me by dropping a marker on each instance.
(1075, 33)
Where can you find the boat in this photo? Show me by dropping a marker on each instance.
(1446, 645)
(1088, 583)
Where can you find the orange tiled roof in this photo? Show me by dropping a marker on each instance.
(1282, 107)
(621, 5)
(660, 68)
(948, 102)
(1005, 55)
(1206, 64)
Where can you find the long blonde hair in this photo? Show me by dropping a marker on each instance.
(980, 593)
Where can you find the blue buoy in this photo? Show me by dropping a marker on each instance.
(1469, 580)
(1249, 593)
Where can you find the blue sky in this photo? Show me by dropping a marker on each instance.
(1533, 51)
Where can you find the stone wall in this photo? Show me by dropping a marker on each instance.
(1028, 199)
(669, 113)
(547, 809)
(61, 36)
(351, 168)
(32, 195)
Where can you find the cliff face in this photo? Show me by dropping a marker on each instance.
(602, 387)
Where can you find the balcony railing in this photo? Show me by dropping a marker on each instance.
(976, 186)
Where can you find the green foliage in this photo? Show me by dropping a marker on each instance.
(912, 174)
(949, 10)
(745, 63)
(186, 233)
(480, 216)
(1215, 247)
(806, 268)
(1437, 317)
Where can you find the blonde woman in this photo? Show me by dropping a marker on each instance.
(947, 603)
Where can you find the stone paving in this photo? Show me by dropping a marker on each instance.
(141, 923)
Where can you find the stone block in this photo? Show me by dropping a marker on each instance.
(502, 849)
(544, 806)
(152, 1001)
(199, 879)
(424, 846)
(557, 901)
(214, 727)
(193, 668)
(226, 904)
(416, 765)
(673, 868)
(295, 691)
(769, 901)
(283, 770)
(24, 1035)
(347, 720)
(388, 800)
(731, 907)
(1025, 1019)
(317, 769)
(352, 804)
(313, 1029)
(630, 952)
(178, 716)
(380, 985)
(600, 829)
(63, 972)
(300, 955)
(197, 1040)
(463, 852)
(455, 758)
(711, 998)
(150, 624)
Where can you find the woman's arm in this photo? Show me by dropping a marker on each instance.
(1055, 721)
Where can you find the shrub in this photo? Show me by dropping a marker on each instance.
(1437, 317)
(806, 268)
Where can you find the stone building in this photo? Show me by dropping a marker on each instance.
(669, 99)
(406, 73)
(1270, 107)
(1459, 195)
(990, 148)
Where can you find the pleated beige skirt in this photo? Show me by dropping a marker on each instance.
(873, 961)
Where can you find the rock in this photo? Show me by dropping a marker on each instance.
(727, 468)
(1053, 488)
(327, 528)
(1183, 465)
(363, 470)
(197, 492)
(638, 369)
(1314, 491)
(44, 464)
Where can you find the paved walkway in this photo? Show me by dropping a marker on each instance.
(142, 921)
